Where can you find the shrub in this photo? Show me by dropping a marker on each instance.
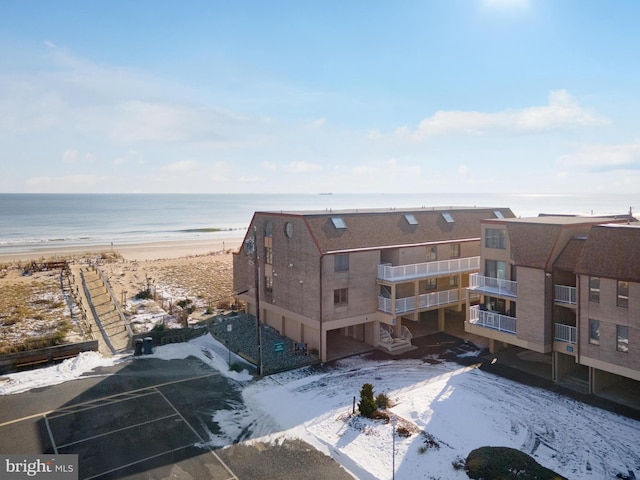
(367, 404)
(502, 463)
(378, 415)
(144, 294)
(382, 401)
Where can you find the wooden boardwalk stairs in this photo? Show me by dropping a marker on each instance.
(102, 310)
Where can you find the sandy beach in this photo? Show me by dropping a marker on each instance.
(129, 251)
(200, 271)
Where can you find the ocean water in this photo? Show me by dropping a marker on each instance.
(32, 221)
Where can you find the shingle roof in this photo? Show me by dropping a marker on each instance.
(532, 243)
(387, 228)
(612, 251)
(533, 240)
(568, 258)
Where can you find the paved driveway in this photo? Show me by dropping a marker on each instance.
(149, 419)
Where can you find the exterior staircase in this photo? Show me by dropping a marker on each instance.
(395, 345)
(102, 310)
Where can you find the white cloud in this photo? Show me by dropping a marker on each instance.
(463, 169)
(301, 167)
(603, 157)
(269, 165)
(71, 156)
(562, 111)
(181, 166)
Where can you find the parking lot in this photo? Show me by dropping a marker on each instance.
(147, 418)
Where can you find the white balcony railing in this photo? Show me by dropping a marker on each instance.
(564, 333)
(493, 286)
(428, 269)
(565, 294)
(425, 300)
(493, 320)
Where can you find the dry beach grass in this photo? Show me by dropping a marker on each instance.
(33, 310)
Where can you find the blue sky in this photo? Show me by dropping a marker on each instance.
(529, 96)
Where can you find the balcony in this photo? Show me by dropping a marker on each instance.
(493, 320)
(426, 300)
(493, 286)
(564, 333)
(565, 294)
(428, 269)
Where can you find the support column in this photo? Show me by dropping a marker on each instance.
(441, 322)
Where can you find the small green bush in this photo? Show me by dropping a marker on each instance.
(367, 404)
(382, 401)
(236, 367)
(144, 294)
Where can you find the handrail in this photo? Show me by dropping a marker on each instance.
(115, 302)
(493, 320)
(492, 285)
(565, 294)
(565, 333)
(427, 269)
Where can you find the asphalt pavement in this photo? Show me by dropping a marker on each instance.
(150, 419)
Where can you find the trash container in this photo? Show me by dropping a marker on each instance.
(148, 345)
(138, 347)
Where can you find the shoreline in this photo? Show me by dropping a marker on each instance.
(160, 250)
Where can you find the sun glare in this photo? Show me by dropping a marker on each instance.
(507, 3)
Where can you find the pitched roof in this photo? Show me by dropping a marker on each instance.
(534, 240)
(380, 228)
(532, 243)
(612, 251)
(568, 258)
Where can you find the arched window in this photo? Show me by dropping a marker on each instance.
(268, 229)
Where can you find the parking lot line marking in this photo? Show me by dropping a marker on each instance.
(53, 442)
(89, 402)
(233, 475)
(117, 430)
(73, 409)
(139, 461)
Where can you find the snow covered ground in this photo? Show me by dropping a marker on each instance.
(451, 410)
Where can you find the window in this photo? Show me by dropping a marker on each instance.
(453, 281)
(341, 296)
(268, 255)
(622, 333)
(288, 229)
(495, 269)
(338, 222)
(494, 238)
(411, 219)
(341, 263)
(448, 218)
(432, 284)
(455, 250)
(623, 294)
(268, 283)
(498, 214)
(594, 332)
(268, 229)
(594, 289)
(432, 254)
